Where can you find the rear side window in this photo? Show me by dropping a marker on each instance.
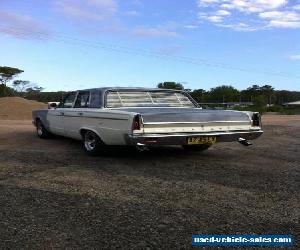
(69, 100)
(83, 100)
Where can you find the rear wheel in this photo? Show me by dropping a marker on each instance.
(200, 147)
(41, 131)
(92, 144)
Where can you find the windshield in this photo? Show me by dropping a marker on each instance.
(118, 99)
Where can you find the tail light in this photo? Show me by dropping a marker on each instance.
(256, 119)
(136, 124)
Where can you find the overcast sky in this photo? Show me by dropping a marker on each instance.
(73, 44)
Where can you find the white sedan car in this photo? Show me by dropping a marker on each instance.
(143, 117)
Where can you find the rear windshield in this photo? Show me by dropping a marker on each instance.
(118, 99)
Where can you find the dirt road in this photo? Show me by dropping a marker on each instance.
(54, 196)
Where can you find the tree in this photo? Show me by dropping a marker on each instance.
(20, 85)
(250, 93)
(6, 91)
(268, 92)
(199, 95)
(38, 89)
(34, 89)
(170, 85)
(224, 93)
(8, 73)
(260, 101)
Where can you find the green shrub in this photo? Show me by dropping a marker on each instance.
(274, 108)
(288, 112)
(250, 108)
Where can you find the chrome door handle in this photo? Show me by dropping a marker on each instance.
(80, 113)
(62, 113)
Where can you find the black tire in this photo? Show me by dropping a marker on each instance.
(92, 144)
(41, 131)
(201, 147)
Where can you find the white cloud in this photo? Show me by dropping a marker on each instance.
(223, 13)
(215, 19)
(154, 32)
(92, 16)
(96, 10)
(294, 57)
(253, 5)
(239, 27)
(21, 26)
(284, 24)
(250, 15)
(191, 26)
(132, 13)
(282, 19)
(244, 5)
(205, 3)
(106, 15)
(280, 15)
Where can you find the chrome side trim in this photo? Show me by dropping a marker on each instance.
(159, 123)
(93, 117)
(196, 134)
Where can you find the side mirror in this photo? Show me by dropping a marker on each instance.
(52, 105)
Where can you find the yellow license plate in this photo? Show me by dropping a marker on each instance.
(202, 140)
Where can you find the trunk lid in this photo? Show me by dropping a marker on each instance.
(191, 120)
(186, 115)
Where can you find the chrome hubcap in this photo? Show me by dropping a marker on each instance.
(89, 141)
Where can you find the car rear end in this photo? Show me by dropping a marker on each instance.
(168, 117)
(193, 128)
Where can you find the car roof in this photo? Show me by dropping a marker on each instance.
(103, 89)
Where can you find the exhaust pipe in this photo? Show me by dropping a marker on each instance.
(244, 142)
(141, 147)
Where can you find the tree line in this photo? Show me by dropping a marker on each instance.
(264, 94)
(226, 93)
(17, 87)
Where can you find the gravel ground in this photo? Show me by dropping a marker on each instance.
(54, 196)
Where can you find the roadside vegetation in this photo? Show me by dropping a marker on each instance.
(262, 98)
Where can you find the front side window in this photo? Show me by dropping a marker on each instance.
(117, 99)
(68, 101)
(83, 100)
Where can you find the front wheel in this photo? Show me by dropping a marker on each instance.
(92, 144)
(200, 147)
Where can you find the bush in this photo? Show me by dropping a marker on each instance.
(288, 112)
(252, 108)
(6, 91)
(274, 108)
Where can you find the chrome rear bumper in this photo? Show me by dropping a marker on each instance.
(181, 139)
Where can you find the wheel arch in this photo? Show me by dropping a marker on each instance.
(84, 129)
(39, 118)
(36, 119)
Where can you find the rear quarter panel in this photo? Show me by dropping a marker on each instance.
(111, 126)
(42, 115)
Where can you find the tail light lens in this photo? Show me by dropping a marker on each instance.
(136, 124)
(256, 119)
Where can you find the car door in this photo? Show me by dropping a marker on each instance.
(74, 118)
(56, 116)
